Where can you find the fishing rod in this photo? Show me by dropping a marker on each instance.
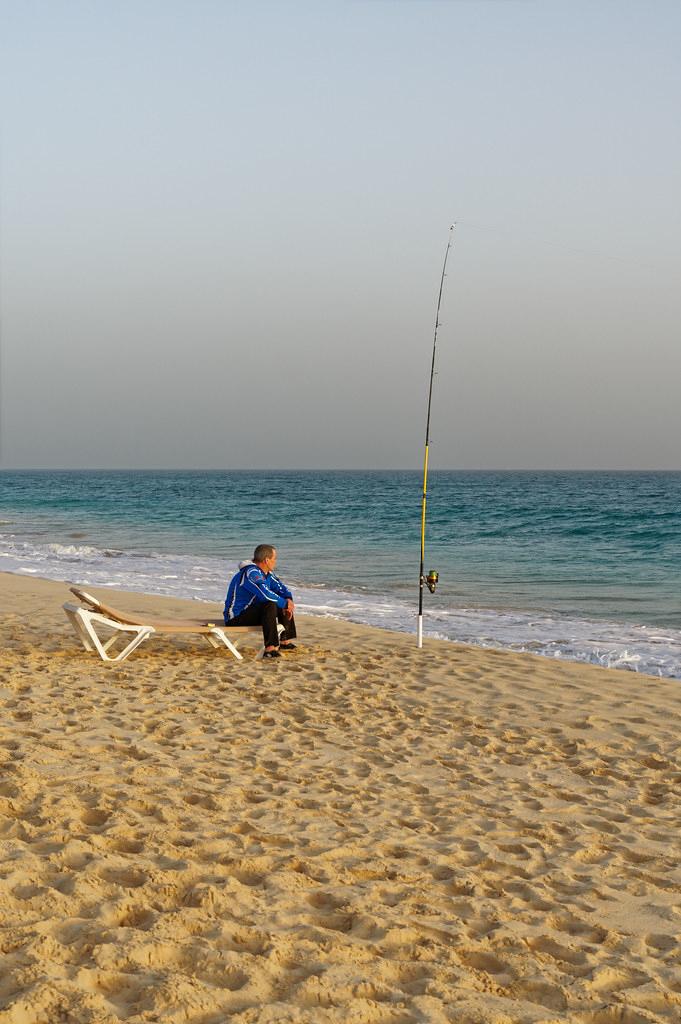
(431, 579)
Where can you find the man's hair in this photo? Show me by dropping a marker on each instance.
(262, 552)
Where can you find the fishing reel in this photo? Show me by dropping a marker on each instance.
(431, 580)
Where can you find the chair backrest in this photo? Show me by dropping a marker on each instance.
(86, 598)
(104, 609)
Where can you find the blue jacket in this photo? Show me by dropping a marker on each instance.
(251, 585)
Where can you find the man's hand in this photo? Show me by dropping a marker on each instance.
(289, 609)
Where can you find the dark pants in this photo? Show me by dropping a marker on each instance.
(267, 614)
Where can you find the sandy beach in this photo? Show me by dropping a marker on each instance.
(361, 832)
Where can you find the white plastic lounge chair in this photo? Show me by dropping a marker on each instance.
(90, 611)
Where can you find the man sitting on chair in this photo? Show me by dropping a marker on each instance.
(257, 597)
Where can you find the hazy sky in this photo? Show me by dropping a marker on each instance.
(223, 225)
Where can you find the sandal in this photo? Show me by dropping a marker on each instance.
(287, 647)
(271, 654)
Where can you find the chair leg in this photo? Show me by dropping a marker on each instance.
(85, 620)
(140, 635)
(79, 629)
(82, 621)
(221, 633)
(144, 633)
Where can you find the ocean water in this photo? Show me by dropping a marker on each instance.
(583, 566)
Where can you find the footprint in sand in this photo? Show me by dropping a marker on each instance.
(95, 817)
(136, 917)
(570, 925)
(126, 845)
(127, 877)
(325, 901)
(540, 992)
(611, 1015)
(248, 940)
(661, 943)
(480, 960)
(547, 946)
(607, 980)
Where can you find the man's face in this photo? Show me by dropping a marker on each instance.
(270, 563)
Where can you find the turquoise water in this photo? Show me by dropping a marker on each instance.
(578, 565)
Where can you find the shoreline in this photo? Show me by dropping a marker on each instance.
(359, 831)
(621, 646)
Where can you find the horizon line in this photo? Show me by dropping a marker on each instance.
(332, 469)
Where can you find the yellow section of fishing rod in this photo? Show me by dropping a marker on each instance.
(423, 504)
